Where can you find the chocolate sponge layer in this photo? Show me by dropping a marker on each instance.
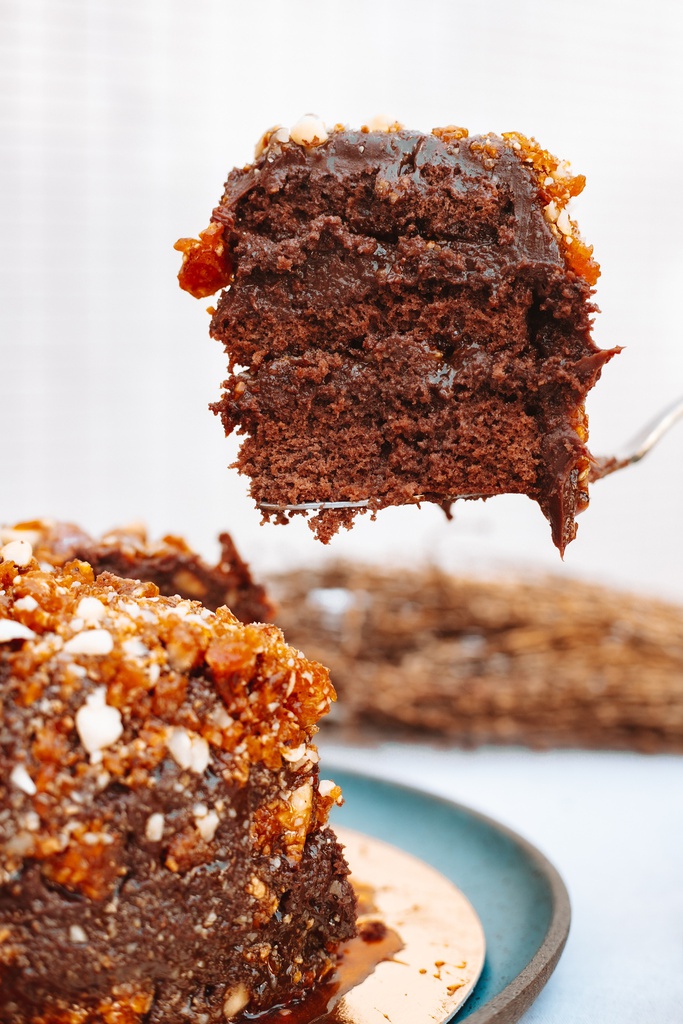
(402, 323)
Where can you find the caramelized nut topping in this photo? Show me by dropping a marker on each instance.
(162, 782)
(206, 266)
(309, 130)
(106, 679)
(557, 185)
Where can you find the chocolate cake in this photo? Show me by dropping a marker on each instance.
(169, 563)
(406, 317)
(549, 662)
(164, 854)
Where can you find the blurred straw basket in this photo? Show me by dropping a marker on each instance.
(549, 662)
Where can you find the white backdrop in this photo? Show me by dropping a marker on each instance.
(119, 122)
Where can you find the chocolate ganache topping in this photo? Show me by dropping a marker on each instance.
(407, 317)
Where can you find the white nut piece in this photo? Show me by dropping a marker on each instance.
(326, 787)
(563, 170)
(18, 551)
(302, 797)
(278, 133)
(200, 755)
(92, 641)
(309, 130)
(235, 1000)
(294, 753)
(20, 778)
(98, 724)
(134, 648)
(189, 751)
(77, 935)
(154, 829)
(257, 888)
(21, 844)
(26, 604)
(31, 821)
(221, 717)
(8, 533)
(180, 747)
(551, 212)
(90, 610)
(381, 123)
(11, 630)
(564, 224)
(262, 143)
(207, 825)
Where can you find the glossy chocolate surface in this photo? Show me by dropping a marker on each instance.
(403, 322)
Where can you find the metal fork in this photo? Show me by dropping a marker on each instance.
(639, 446)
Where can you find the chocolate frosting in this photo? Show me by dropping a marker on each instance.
(403, 322)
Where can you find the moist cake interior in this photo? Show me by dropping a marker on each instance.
(408, 317)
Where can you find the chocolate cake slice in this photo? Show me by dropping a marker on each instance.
(164, 853)
(169, 563)
(407, 317)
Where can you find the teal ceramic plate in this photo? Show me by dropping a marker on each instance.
(518, 895)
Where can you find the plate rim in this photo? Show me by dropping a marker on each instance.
(510, 1003)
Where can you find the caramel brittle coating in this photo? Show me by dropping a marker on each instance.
(170, 563)
(158, 772)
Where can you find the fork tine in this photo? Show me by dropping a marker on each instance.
(642, 443)
(317, 506)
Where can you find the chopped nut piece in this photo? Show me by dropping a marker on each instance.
(551, 212)
(281, 136)
(382, 123)
(20, 778)
(295, 754)
(301, 797)
(207, 825)
(21, 531)
(563, 223)
(189, 751)
(91, 610)
(92, 641)
(18, 551)
(256, 888)
(98, 724)
(235, 1001)
(309, 131)
(11, 630)
(135, 648)
(154, 829)
(278, 133)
